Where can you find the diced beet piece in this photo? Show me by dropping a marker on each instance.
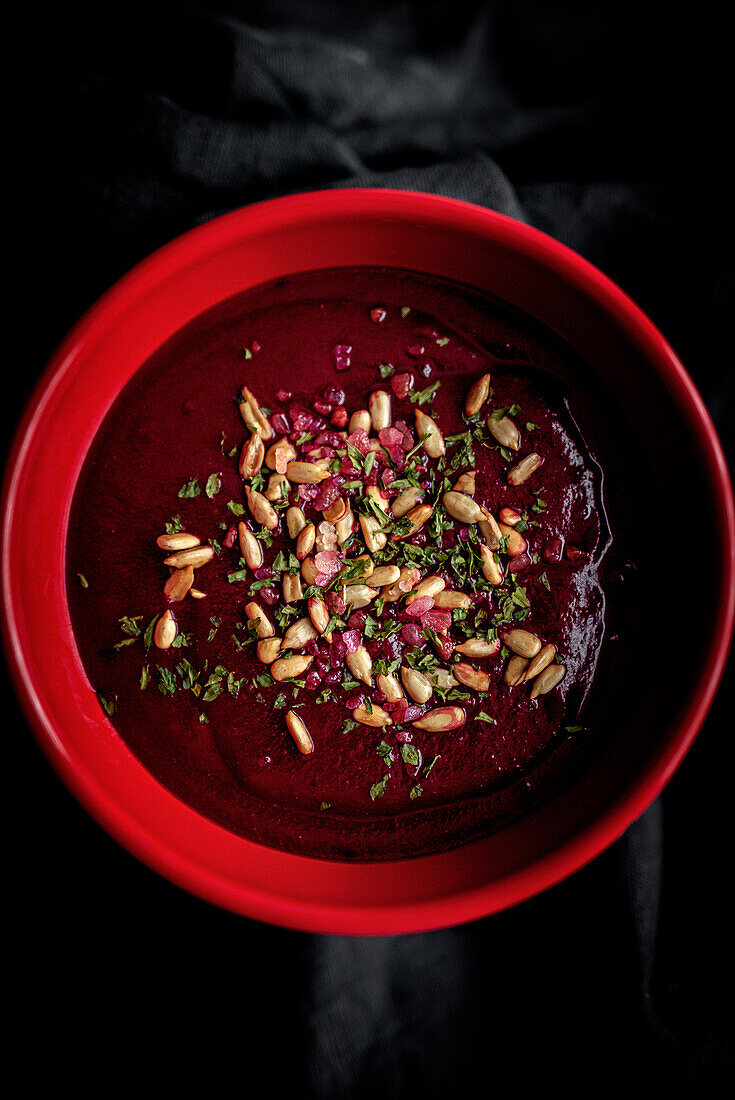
(230, 538)
(333, 395)
(352, 640)
(335, 603)
(390, 437)
(440, 621)
(269, 596)
(262, 572)
(281, 425)
(419, 607)
(323, 408)
(377, 315)
(312, 679)
(354, 702)
(401, 384)
(360, 439)
(284, 395)
(519, 562)
(574, 554)
(552, 551)
(416, 351)
(411, 634)
(357, 619)
(334, 676)
(337, 651)
(411, 713)
(342, 356)
(339, 417)
(328, 493)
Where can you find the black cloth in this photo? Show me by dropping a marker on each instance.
(607, 130)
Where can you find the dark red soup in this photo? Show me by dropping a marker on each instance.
(343, 569)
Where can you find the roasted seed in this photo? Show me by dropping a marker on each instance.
(479, 647)
(300, 733)
(305, 541)
(291, 588)
(268, 649)
(379, 406)
(477, 395)
(418, 686)
(471, 677)
(165, 631)
(429, 586)
(492, 572)
(376, 716)
(510, 516)
(375, 538)
(516, 543)
(465, 483)
(286, 668)
(523, 469)
(250, 547)
(547, 680)
(490, 530)
(179, 583)
(388, 684)
(197, 556)
(447, 600)
(522, 642)
(505, 432)
(252, 456)
(344, 525)
(543, 658)
(319, 615)
(443, 679)
(197, 594)
(256, 614)
(260, 509)
(409, 577)
(461, 507)
(418, 517)
(305, 473)
(406, 500)
(359, 419)
(441, 719)
(309, 571)
(360, 665)
(295, 521)
(181, 540)
(359, 595)
(428, 431)
(384, 575)
(299, 634)
(277, 489)
(335, 511)
(255, 415)
(515, 671)
(284, 450)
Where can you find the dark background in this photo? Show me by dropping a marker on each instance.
(607, 126)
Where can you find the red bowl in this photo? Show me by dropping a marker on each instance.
(305, 232)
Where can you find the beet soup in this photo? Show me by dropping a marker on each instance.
(350, 560)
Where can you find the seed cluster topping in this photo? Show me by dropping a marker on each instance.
(395, 593)
(353, 495)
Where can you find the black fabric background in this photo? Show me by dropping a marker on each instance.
(605, 125)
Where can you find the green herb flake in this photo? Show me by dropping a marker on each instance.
(216, 624)
(386, 370)
(378, 789)
(190, 489)
(213, 486)
(108, 705)
(421, 397)
(84, 583)
(166, 681)
(483, 716)
(145, 677)
(236, 508)
(411, 755)
(415, 792)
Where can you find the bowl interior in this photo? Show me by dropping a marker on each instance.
(678, 454)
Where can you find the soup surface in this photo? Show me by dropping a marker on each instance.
(339, 563)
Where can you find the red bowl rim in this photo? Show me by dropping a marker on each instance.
(469, 904)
